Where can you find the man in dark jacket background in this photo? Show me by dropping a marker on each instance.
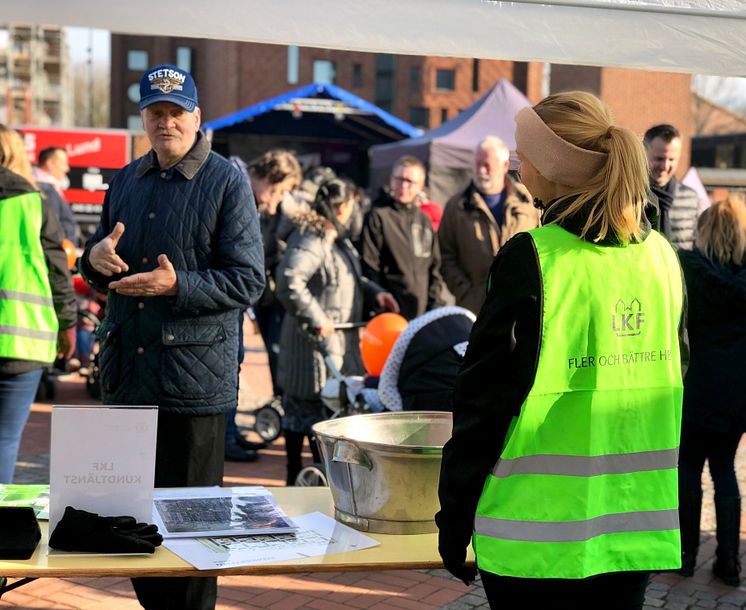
(678, 204)
(399, 248)
(179, 250)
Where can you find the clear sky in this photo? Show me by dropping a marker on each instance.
(79, 40)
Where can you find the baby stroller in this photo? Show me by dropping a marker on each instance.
(342, 395)
(419, 374)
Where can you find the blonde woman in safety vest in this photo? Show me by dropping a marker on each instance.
(37, 303)
(562, 466)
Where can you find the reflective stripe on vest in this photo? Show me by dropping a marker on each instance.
(586, 482)
(587, 466)
(578, 531)
(28, 323)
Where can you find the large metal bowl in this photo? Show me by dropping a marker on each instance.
(383, 469)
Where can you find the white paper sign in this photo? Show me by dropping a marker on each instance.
(102, 460)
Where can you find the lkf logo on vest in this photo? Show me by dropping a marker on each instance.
(627, 320)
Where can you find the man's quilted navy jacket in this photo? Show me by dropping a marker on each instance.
(180, 353)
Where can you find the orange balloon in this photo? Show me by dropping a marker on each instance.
(378, 338)
(72, 255)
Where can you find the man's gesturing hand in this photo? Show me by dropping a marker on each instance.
(159, 282)
(104, 258)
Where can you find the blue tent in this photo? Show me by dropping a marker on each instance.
(323, 124)
(317, 110)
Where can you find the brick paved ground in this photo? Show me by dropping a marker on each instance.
(388, 590)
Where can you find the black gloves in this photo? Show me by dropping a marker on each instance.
(79, 530)
(454, 560)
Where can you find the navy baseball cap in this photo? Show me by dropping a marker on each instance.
(167, 83)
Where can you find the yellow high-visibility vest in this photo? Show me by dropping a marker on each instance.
(28, 323)
(587, 480)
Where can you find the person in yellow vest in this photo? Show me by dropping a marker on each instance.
(37, 303)
(562, 468)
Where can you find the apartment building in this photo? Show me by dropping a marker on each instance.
(34, 75)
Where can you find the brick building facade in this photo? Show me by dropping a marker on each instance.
(425, 91)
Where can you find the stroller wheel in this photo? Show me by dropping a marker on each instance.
(312, 476)
(268, 423)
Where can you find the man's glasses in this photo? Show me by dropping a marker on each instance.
(402, 180)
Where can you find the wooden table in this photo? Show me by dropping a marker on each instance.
(394, 552)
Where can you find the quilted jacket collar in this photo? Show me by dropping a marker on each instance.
(187, 167)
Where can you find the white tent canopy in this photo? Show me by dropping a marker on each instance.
(704, 36)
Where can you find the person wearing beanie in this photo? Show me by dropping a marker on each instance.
(562, 467)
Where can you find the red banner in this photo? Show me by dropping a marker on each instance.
(95, 155)
(85, 147)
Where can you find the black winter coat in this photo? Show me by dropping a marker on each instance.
(400, 253)
(715, 384)
(180, 353)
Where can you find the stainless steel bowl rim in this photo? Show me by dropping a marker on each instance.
(386, 447)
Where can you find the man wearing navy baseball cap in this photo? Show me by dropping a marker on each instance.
(169, 111)
(180, 253)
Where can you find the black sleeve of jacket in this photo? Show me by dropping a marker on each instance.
(498, 372)
(62, 210)
(371, 246)
(683, 327)
(435, 286)
(60, 279)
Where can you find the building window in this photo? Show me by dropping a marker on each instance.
(443, 115)
(357, 75)
(293, 63)
(324, 71)
(385, 70)
(184, 58)
(137, 60)
(419, 117)
(475, 75)
(134, 122)
(445, 80)
(415, 78)
(133, 93)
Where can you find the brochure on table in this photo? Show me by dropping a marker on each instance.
(218, 511)
(317, 534)
(102, 460)
(35, 496)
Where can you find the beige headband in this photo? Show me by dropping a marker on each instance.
(553, 157)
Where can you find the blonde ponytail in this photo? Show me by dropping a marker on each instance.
(614, 199)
